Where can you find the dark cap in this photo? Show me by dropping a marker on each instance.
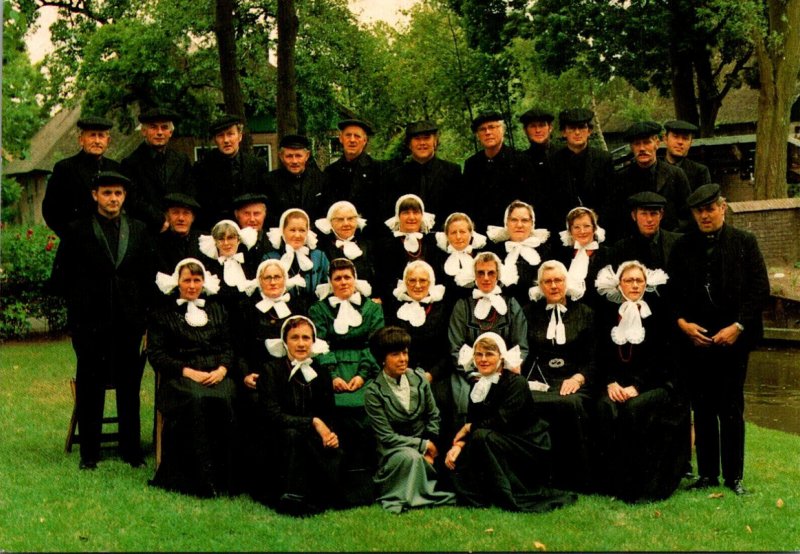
(642, 129)
(224, 122)
(484, 118)
(158, 114)
(93, 123)
(181, 200)
(680, 126)
(704, 195)
(295, 141)
(249, 198)
(357, 122)
(421, 127)
(647, 199)
(536, 114)
(575, 116)
(110, 178)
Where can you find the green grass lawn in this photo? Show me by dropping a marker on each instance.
(46, 504)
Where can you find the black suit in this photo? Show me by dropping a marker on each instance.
(697, 173)
(437, 182)
(652, 252)
(308, 191)
(715, 281)
(220, 178)
(360, 181)
(667, 180)
(107, 298)
(153, 175)
(69, 189)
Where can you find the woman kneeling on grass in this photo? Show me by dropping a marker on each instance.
(500, 457)
(403, 414)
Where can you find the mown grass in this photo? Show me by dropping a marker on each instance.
(46, 504)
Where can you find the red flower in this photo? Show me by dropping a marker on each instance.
(30, 233)
(49, 246)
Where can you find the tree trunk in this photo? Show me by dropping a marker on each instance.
(228, 68)
(287, 78)
(708, 98)
(680, 60)
(778, 54)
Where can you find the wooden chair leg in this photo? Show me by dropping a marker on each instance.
(73, 420)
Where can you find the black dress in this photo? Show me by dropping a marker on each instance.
(199, 422)
(393, 258)
(505, 461)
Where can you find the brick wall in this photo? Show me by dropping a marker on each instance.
(776, 224)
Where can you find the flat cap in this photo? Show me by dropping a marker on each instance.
(180, 199)
(249, 198)
(484, 118)
(110, 178)
(642, 129)
(93, 123)
(680, 126)
(536, 114)
(573, 116)
(158, 114)
(295, 141)
(704, 195)
(224, 122)
(647, 199)
(421, 127)
(343, 124)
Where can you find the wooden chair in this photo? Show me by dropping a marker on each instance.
(72, 435)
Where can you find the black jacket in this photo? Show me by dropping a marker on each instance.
(437, 182)
(308, 191)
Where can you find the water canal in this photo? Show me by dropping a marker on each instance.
(772, 388)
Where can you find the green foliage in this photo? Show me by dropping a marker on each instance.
(10, 193)
(28, 255)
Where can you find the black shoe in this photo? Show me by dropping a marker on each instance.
(704, 483)
(737, 487)
(87, 464)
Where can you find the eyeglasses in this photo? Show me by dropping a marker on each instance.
(350, 219)
(489, 128)
(632, 281)
(518, 220)
(418, 282)
(272, 278)
(556, 281)
(481, 355)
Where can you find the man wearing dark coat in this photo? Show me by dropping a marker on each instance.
(298, 183)
(582, 175)
(105, 269)
(678, 140)
(68, 196)
(538, 126)
(358, 178)
(155, 170)
(250, 210)
(719, 287)
(650, 244)
(436, 181)
(180, 241)
(497, 175)
(647, 172)
(226, 172)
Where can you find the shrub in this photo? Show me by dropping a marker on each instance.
(27, 259)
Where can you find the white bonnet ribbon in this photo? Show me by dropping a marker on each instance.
(410, 240)
(207, 246)
(305, 368)
(347, 317)
(300, 254)
(363, 286)
(525, 248)
(486, 301)
(232, 272)
(555, 329)
(413, 312)
(195, 315)
(282, 310)
(481, 388)
(349, 248)
(579, 265)
(630, 328)
(497, 233)
(275, 236)
(168, 283)
(296, 282)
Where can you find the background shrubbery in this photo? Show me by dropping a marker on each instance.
(25, 263)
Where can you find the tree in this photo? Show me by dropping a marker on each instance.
(287, 77)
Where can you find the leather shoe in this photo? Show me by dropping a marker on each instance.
(87, 464)
(736, 486)
(704, 483)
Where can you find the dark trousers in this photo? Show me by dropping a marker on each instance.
(717, 395)
(114, 359)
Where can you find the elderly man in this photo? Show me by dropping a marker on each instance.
(357, 177)
(647, 172)
(155, 170)
(497, 175)
(68, 196)
(298, 183)
(719, 287)
(431, 178)
(180, 241)
(650, 244)
(250, 210)
(105, 268)
(678, 140)
(582, 175)
(226, 172)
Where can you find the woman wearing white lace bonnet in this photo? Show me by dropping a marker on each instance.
(224, 252)
(460, 242)
(521, 246)
(342, 230)
(582, 251)
(189, 293)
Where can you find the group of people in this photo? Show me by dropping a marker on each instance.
(441, 338)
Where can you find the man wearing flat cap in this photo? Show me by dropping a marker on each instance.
(650, 244)
(105, 269)
(648, 173)
(358, 178)
(250, 210)
(718, 288)
(180, 241)
(433, 179)
(497, 175)
(68, 196)
(298, 183)
(582, 175)
(155, 169)
(226, 172)
(678, 136)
